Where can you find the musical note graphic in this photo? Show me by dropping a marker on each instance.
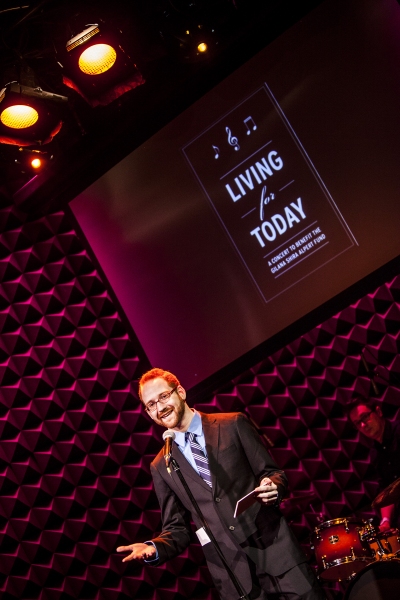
(232, 140)
(216, 150)
(246, 121)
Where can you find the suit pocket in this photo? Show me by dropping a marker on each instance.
(233, 469)
(229, 457)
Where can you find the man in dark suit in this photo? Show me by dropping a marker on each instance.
(366, 415)
(222, 459)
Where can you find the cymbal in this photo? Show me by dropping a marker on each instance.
(390, 495)
(297, 500)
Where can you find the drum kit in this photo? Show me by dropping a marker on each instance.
(355, 552)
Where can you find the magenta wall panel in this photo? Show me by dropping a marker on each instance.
(75, 446)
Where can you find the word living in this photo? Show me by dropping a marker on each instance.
(278, 223)
(255, 174)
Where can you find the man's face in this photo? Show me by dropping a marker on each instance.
(170, 413)
(370, 422)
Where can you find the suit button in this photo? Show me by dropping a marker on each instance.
(231, 527)
(217, 499)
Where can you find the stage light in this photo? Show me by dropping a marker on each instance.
(19, 116)
(97, 59)
(36, 163)
(97, 66)
(29, 116)
(32, 161)
(198, 42)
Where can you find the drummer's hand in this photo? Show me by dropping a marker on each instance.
(384, 526)
(387, 514)
(267, 492)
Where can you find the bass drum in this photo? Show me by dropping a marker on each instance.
(378, 581)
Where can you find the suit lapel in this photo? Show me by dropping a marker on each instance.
(211, 434)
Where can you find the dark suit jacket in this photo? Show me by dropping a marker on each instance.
(238, 461)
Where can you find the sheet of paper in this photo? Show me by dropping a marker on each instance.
(203, 537)
(244, 503)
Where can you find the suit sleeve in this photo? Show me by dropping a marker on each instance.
(176, 527)
(262, 464)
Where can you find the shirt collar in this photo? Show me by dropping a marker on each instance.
(195, 426)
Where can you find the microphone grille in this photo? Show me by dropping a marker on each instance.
(168, 434)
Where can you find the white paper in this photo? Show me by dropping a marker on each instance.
(203, 537)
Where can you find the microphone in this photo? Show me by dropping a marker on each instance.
(370, 374)
(168, 437)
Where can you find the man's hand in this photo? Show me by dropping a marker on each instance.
(138, 552)
(267, 492)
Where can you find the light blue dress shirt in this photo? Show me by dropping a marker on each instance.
(196, 427)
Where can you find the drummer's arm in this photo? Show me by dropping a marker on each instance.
(387, 513)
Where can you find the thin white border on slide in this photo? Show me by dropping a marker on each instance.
(310, 165)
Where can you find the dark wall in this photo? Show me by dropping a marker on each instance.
(75, 445)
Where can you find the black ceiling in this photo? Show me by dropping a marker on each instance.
(94, 139)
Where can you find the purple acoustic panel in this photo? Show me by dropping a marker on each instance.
(75, 443)
(296, 398)
(76, 446)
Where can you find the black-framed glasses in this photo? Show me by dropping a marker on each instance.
(162, 398)
(363, 420)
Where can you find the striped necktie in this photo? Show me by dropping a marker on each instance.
(199, 457)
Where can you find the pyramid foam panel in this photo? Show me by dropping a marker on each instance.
(75, 445)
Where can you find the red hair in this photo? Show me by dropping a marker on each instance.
(155, 373)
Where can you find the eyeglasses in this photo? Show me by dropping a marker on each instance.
(162, 398)
(364, 419)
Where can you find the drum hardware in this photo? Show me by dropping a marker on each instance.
(368, 532)
(334, 539)
(385, 545)
(381, 550)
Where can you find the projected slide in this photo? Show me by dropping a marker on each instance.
(269, 197)
(238, 225)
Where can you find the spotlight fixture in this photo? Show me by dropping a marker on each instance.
(190, 42)
(31, 161)
(29, 116)
(97, 66)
